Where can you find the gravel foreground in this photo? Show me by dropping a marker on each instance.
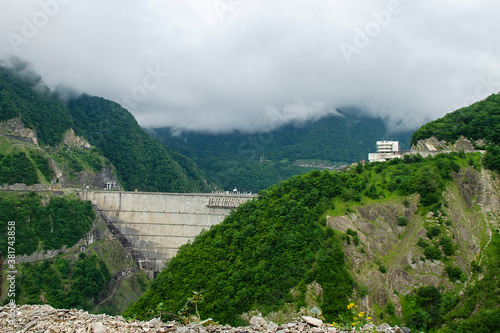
(46, 319)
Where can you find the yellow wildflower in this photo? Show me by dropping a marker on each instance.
(361, 314)
(369, 318)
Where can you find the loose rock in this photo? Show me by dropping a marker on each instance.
(45, 319)
(312, 321)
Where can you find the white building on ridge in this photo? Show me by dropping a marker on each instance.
(386, 150)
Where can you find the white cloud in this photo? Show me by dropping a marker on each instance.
(229, 66)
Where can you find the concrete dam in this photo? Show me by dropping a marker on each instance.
(154, 225)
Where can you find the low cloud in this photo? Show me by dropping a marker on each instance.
(299, 113)
(253, 65)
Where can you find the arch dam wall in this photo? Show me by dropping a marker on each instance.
(154, 225)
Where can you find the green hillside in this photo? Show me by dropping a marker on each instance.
(479, 122)
(252, 162)
(33, 124)
(94, 273)
(23, 94)
(44, 222)
(40, 135)
(141, 161)
(270, 254)
(257, 255)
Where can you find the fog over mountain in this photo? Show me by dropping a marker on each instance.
(253, 65)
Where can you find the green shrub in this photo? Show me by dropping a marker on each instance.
(455, 273)
(382, 269)
(362, 290)
(390, 308)
(355, 239)
(402, 221)
(419, 320)
(447, 245)
(475, 267)
(432, 253)
(422, 243)
(351, 232)
(372, 192)
(433, 232)
(429, 300)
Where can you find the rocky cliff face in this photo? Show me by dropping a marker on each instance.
(74, 141)
(22, 138)
(15, 127)
(433, 144)
(388, 263)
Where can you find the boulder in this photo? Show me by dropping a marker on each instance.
(312, 321)
(258, 321)
(98, 328)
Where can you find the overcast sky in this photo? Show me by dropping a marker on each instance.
(252, 65)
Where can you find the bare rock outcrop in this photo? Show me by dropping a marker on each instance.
(72, 140)
(15, 128)
(430, 144)
(386, 259)
(433, 144)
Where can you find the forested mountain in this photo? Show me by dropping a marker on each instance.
(252, 162)
(23, 94)
(405, 227)
(66, 257)
(142, 162)
(46, 224)
(414, 241)
(479, 122)
(45, 141)
(39, 143)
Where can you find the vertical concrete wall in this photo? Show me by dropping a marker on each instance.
(157, 224)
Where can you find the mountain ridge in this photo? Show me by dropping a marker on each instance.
(252, 162)
(114, 136)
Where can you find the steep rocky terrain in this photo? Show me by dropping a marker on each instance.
(89, 141)
(472, 211)
(72, 163)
